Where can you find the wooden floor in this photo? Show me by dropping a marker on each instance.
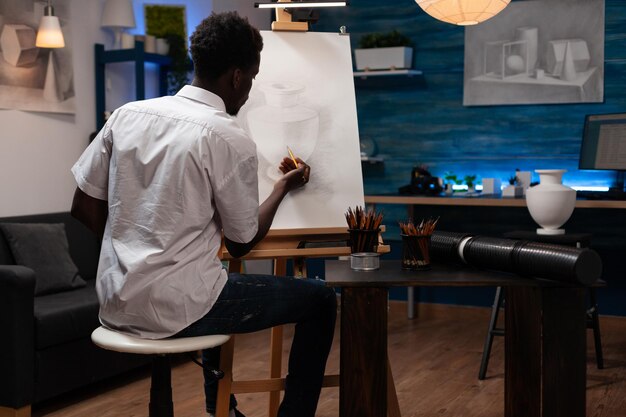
(434, 358)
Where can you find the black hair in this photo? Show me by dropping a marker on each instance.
(222, 41)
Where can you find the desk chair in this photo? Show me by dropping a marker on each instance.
(579, 240)
(161, 404)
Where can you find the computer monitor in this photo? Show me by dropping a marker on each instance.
(603, 145)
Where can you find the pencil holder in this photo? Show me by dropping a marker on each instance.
(363, 240)
(415, 252)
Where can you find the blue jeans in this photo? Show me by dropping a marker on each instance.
(249, 303)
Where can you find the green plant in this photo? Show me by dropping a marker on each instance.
(178, 75)
(168, 22)
(384, 40)
(450, 177)
(470, 180)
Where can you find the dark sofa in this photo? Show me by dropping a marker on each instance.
(45, 348)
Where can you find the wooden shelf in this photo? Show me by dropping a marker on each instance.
(139, 57)
(387, 73)
(481, 201)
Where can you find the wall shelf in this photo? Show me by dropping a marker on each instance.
(140, 58)
(387, 73)
(389, 78)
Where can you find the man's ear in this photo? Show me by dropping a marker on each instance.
(236, 78)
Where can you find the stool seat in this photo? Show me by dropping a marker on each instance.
(119, 342)
(161, 404)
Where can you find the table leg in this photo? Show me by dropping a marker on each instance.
(363, 375)
(545, 352)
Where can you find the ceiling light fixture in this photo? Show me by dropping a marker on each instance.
(462, 12)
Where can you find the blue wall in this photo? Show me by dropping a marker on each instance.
(426, 123)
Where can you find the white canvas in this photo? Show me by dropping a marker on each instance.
(303, 97)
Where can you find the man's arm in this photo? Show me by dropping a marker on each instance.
(90, 211)
(293, 178)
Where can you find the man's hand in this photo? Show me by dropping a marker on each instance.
(295, 176)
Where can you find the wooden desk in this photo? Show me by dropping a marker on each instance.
(479, 201)
(545, 341)
(489, 216)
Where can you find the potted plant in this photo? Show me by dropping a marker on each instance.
(384, 51)
(470, 180)
(450, 179)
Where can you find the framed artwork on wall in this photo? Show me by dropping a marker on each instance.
(33, 78)
(537, 52)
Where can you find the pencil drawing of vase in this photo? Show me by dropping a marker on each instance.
(283, 122)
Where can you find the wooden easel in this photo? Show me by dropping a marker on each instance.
(280, 246)
(284, 22)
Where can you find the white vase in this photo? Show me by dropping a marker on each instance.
(550, 203)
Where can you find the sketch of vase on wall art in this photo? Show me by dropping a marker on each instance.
(537, 52)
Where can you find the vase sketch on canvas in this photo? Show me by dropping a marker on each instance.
(303, 98)
(283, 121)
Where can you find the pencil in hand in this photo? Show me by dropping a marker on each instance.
(293, 158)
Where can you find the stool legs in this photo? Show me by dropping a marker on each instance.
(594, 323)
(161, 404)
(224, 386)
(491, 332)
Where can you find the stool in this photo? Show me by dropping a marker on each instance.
(161, 389)
(579, 240)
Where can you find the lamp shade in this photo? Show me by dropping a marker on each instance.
(463, 12)
(118, 14)
(49, 34)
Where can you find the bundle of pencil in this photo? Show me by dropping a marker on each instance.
(361, 219)
(424, 228)
(364, 227)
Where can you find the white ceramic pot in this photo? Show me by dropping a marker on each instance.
(550, 203)
(396, 57)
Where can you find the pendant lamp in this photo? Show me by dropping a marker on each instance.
(49, 35)
(463, 12)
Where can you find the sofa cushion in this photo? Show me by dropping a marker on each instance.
(6, 257)
(65, 316)
(43, 247)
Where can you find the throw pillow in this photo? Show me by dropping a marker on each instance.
(43, 247)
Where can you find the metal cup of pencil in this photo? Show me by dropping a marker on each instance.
(364, 228)
(415, 252)
(416, 244)
(363, 240)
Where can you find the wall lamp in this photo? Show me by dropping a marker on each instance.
(300, 4)
(296, 15)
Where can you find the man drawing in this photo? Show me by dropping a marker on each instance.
(162, 181)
